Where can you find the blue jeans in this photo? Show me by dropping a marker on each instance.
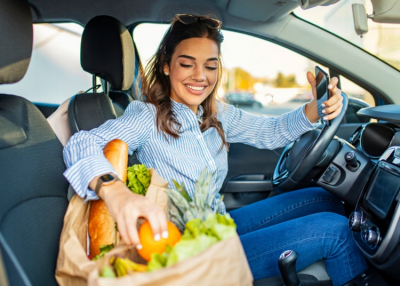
(309, 221)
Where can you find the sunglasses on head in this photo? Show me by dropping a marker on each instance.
(188, 19)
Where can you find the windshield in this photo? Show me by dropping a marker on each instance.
(382, 40)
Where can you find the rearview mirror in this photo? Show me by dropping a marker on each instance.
(385, 11)
(360, 19)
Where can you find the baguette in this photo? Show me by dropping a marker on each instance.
(101, 226)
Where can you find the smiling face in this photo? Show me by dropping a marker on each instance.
(193, 71)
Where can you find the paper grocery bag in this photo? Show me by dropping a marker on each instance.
(223, 264)
(73, 265)
(157, 191)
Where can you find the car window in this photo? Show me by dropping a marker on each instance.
(55, 72)
(355, 91)
(258, 76)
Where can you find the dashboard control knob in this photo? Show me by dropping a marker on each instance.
(351, 160)
(355, 221)
(370, 234)
(373, 237)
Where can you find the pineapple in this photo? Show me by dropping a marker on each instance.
(184, 208)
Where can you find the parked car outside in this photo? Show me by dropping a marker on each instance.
(243, 99)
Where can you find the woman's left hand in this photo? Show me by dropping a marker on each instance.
(332, 107)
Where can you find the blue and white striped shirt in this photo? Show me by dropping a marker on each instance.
(180, 159)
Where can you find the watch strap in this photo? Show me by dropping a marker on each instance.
(100, 183)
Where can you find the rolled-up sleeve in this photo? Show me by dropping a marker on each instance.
(83, 154)
(264, 132)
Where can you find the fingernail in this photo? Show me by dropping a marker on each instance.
(164, 234)
(157, 237)
(139, 246)
(323, 111)
(325, 118)
(323, 105)
(330, 86)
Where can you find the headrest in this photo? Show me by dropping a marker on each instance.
(16, 34)
(107, 51)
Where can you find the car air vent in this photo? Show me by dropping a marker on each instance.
(355, 137)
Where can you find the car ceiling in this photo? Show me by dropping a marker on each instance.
(233, 13)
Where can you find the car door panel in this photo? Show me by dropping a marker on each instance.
(249, 178)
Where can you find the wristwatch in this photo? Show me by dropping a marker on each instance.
(105, 180)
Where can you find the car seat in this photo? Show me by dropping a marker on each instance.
(106, 52)
(33, 190)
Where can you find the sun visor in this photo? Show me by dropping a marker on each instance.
(260, 10)
(16, 34)
(386, 11)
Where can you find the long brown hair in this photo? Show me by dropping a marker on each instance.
(156, 85)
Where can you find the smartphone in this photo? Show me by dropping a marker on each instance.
(322, 79)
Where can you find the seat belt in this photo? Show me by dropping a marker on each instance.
(10, 262)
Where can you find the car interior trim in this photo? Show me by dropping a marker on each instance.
(375, 138)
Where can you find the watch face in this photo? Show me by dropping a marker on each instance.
(107, 178)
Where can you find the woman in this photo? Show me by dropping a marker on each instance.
(180, 128)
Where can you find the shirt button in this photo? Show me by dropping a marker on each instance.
(210, 162)
(199, 136)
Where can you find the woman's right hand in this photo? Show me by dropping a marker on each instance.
(126, 207)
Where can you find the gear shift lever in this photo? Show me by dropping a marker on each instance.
(287, 266)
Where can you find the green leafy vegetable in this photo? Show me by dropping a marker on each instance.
(190, 247)
(138, 179)
(103, 250)
(197, 237)
(107, 272)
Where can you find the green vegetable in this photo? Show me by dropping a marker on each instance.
(157, 261)
(138, 179)
(103, 250)
(190, 247)
(197, 237)
(107, 272)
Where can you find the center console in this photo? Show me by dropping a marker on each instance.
(376, 220)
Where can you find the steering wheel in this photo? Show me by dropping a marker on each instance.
(300, 156)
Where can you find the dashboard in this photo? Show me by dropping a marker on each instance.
(375, 221)
(373, 139)
(365, 173)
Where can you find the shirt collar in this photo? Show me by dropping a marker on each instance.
(176, 106)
